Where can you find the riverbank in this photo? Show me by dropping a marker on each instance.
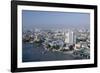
(32, 53)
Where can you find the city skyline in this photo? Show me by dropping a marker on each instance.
(55, 20)
(62, 39)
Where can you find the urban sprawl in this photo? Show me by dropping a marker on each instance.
(76, 42)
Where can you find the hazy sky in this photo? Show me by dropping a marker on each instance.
(52, 20)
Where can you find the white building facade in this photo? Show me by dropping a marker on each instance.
(70, 37)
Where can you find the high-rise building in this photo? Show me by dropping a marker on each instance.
(70, 37)
(67, 37)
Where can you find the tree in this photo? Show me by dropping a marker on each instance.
(71, 47)
(48, 46)
(64, 45)
(56, 47)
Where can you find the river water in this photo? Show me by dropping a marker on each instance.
(34, 53)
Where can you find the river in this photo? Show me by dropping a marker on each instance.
(33, 53)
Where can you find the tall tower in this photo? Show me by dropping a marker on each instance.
(69, 37)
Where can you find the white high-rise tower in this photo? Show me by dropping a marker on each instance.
(69, 37)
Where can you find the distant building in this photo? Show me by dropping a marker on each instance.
(77, 46)
(36, 37)
(66, 37)
(70, 37)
